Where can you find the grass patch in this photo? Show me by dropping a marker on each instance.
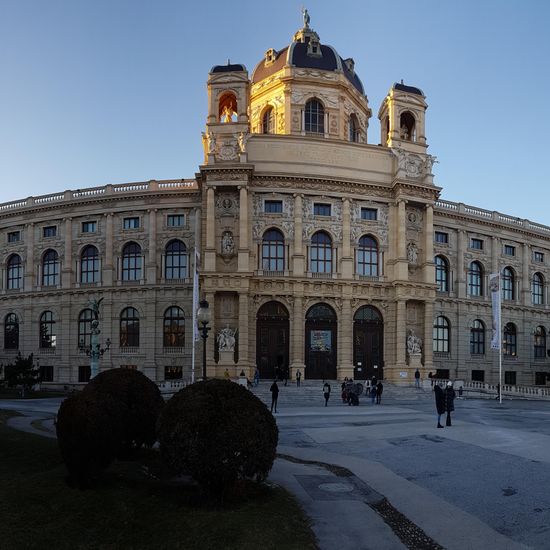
(130, 508)
(14, 393)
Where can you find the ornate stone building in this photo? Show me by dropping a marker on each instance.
(318, 251)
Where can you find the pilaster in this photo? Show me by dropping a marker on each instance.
(244, 252)
(298, 325)
(429, 270)
(30, 275)
(460, 267)
(108, 277)
(525, 279)
(345, 341)
(244, 362)
(428, 337)
(298, 258)
(347, 260)
(67, 269)
(152, 257)
(210, 251)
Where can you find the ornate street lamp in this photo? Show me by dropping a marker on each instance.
(94, 351)
(203, 319)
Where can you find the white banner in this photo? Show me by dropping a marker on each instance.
(494, 287)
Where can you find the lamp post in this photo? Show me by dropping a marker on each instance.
(94, 351)
(203, 319)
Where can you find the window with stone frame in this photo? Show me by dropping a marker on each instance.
(441, 335)
(367, 257)
(441, 274)
(537, 289)
(320, 253)
(477, 337)
(509, 342)
(539, 342)
(475, 279)
(508, 284)
(273, 250)
(14, 272)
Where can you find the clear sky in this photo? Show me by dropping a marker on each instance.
(113, 91)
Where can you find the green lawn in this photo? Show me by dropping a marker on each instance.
(129, 509)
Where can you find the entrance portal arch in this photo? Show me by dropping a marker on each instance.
(272, 330)
(321, 329)
(368, 344)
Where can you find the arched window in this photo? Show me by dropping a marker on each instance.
(407, 127)
(441, 335)
(48, 337)
(131, 262)
(540, 342)
(273, 251)
(174, 327)
(354, 129)
(129, 328)
(367, 257)
(50, 268)
(537, 289)
(508, 284)
(268, 121)
(441, 274)
(11, 331)
(14, 272)
(509, 343)
(477, 338)
(475, 279)
(175, 260)
(89, 265)
(314, 117)
(85, 327)
(321, 253)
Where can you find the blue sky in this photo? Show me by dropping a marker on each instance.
(113, 91)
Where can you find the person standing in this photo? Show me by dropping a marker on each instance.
(439, 403)
(298, 378)
(449, 401)
(274, 395)
(379, 390)
(226, 374)
(373, 394)
(417, 378)
(256, 376)
(326, 392)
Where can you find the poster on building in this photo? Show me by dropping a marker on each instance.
(321, 340)
(494, 287)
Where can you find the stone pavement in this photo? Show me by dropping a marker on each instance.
(383, 477)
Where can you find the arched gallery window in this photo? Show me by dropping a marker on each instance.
(14, 272)
(50, 268)
(85, 327)
(537, 289)
(268, 121)
(175, 262)
(441, 274)
(477, 338)
(321, 253)
(11, 331)
(174, 327)
(354, 129)
(129, 328)
(89, 265)
(314, 117)
(509, 342)
(508, 284)
(540, 342)
(441, 335)
(273, 250)
(131, 262)
(475, 279)
(48, 336)
(367, 256)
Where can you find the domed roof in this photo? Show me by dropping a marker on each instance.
(307, 52)
(408, 89)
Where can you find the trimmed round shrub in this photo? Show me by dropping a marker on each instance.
(142, 404)
(88, 435)
(218, 432)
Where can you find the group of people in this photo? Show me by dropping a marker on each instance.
(444, 402)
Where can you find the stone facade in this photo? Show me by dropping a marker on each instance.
(319, 252)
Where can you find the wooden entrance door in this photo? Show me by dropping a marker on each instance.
(320, 343)
(368, 344)
(272, 330)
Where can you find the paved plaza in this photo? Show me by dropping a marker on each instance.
(384, 477)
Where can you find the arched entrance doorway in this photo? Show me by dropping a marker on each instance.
(368, 344)
(272, 328)
(321, 327)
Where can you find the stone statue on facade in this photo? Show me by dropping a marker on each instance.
(228, 243)
(412, 253)
(210, 139)
(226, 339)
(306, 17)
(242, 140)
(414, 343)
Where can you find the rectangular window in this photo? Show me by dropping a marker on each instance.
(89, 227)
(477, 244)
(369, 214)
(539, 257)
(321, 209)
(46, 373)
(14, 236)
(173, 372)
(509, 250)
(441, 237)
(175, 220)
(510, 377)
(273, 207)
(50, 231)
(84, 373)
(131, 223)
(478, 376)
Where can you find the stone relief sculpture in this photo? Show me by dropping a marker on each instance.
(228, 243)
(226, 339)
(242, 140)
(414, 344)
(412, 253)
(210, 139)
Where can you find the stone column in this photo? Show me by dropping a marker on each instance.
(345, 342)
(400, 338)
(244, 252)
(151, 269)
(210, 364)
(210, 251)
(108, 267)
(299, 258)
(244, 360)
(427, 344)
(429, 270)
(30, 272)
(297, 342)
(401, 268)
(460, 266)
(347, 259)
(525, 279)
(67, 267)
(495, 255)
(148, 337)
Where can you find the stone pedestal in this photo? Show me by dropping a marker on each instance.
(227, 361)
(415, 362)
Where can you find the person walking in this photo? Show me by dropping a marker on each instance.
(439, 403)
(373, 394)
(417, 378)
(431, 377)
(298, 378)
(326, 392)
(274, 395)
(379, 390)
(449, 401)
(256, 376)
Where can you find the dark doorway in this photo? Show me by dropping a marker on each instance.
(320, 343)
(368, 344)
(272, 328)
